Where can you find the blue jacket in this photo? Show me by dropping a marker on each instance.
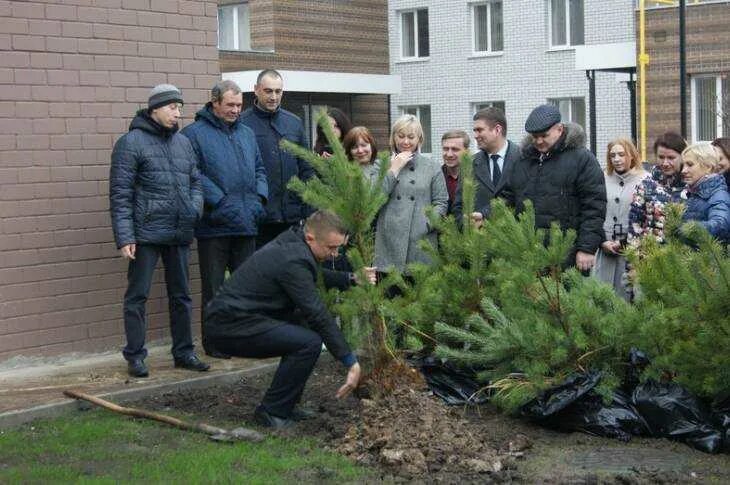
(283, 206)
(233, 175)
(155, 193)
(709, 204)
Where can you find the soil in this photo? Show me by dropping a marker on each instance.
(412, 436)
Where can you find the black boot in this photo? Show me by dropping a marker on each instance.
(137, 368)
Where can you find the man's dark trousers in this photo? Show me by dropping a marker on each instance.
(299, 349)
(139, 281)
(215, 255)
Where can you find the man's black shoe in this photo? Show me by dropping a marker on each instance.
(300, 414)
(262, 417)
(137, 368)
(192, 362)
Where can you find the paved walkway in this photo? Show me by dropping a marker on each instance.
(32, 388)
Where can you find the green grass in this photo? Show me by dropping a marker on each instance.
(99, 447)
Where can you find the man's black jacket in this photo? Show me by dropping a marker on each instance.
(265, 291)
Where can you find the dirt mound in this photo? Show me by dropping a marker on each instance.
(415, 436)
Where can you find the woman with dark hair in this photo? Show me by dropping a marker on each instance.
(340, 124)
(646, 215)
(360, 146)
(623, 174)
(722, 147)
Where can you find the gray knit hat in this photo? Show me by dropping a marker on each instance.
(542, 118)
(163, 94)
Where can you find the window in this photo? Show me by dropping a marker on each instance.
(423, 113)
(488, 35)
(234, 27)
(414, 34)
(571, 109)
(710, 107)
(566, 23)
(486, 104)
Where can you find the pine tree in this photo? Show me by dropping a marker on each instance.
(687, 283)
(340, 187)
(539, 323)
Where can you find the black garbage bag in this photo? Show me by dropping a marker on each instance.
(576, 406)
(721, 411)
(454, 385)
(557, 398)
(671, 411)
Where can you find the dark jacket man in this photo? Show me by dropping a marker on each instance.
(486, 190)
(154, 185)
(270, 128)
(232, 173)
(270, 307)
(155, 200)
(234, 188)
(566, 185)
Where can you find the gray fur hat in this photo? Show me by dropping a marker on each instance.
(163, 94)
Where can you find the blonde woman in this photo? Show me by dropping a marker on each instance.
(623, 174)
(708, 201)
(413, 183)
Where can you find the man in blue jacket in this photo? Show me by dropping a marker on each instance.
(155, 200)
(271, 124)
(234, 190)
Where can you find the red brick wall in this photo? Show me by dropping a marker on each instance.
(72, 74)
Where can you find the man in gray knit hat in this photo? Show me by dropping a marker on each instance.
(563, 180)
(155, 201)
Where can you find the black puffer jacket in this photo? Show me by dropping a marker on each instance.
(566, 186)
(154, 185)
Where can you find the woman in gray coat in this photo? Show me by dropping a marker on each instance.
(413, 183)
(623, 174)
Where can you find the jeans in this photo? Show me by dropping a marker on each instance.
(215, 256)
(299, 349)
(139, 281)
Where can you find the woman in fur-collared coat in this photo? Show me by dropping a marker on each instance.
(413, 183)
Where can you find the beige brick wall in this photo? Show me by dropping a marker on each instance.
(72, 74)
(707, 51)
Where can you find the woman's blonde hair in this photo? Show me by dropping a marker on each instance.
(630, 150)
(406, 123)
(702, 153)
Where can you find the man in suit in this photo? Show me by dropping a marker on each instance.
(492, 164)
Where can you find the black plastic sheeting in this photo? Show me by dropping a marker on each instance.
(651, 408)
(454, 385)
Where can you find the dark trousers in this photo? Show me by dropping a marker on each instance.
(139, 281)
(268, 232)
(215, 256)
(299, 349)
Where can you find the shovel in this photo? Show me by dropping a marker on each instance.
(213, 432)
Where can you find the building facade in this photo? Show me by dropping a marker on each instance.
(455, 57)
(708, 70)
(331, 54)
(72, 75)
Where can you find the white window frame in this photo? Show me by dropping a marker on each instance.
(426, 134)
(236, 40)
(490, 50)
(571, 115)
(477, 105)
(719, 103)
(401, 19)
(567, 45)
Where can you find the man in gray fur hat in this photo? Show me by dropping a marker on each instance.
(563, 180)
(155, 202)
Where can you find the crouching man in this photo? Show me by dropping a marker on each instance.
(252, 315)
